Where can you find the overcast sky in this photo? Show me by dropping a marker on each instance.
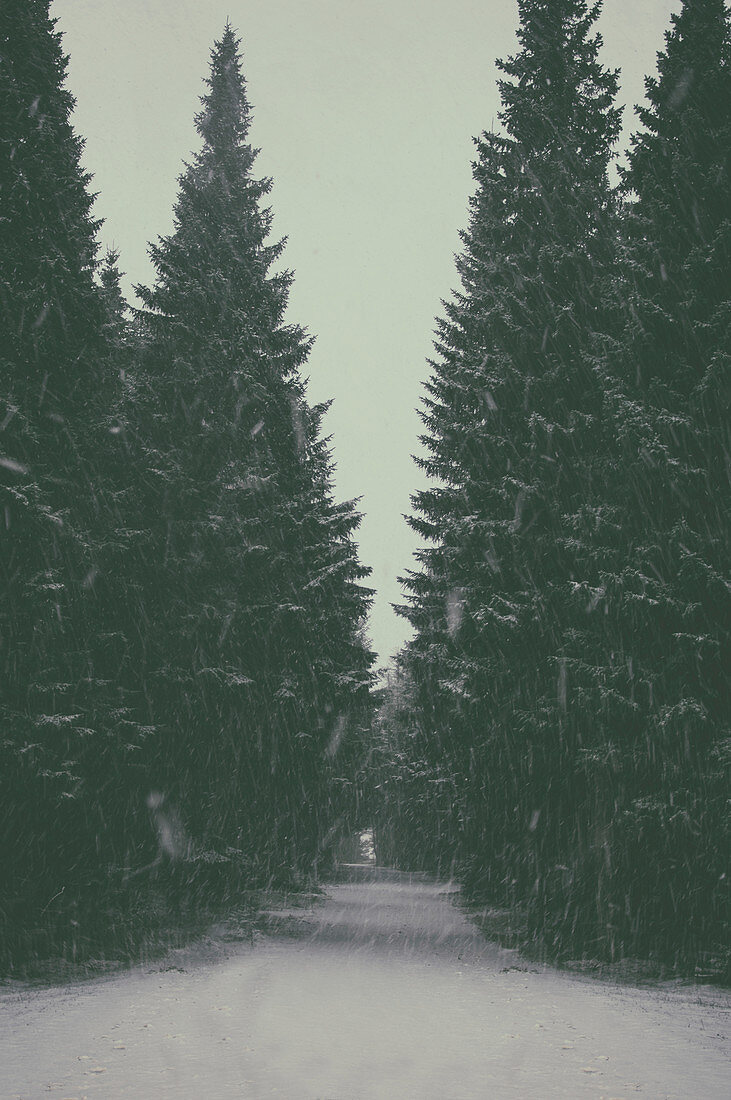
(364, 111)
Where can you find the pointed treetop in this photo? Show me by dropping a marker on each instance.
(697, 50)
(224, 121)
(221, 228)
(110, 278)
(679, 161)
(558, 93)
(48, 237)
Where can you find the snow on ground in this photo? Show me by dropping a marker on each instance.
(385, 992)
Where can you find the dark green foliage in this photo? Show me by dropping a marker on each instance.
(63, 752)
(47, 234)
(513, 423)
(569, 613)
(185, 675)
(655, 675)
(253, 653)
(668, 592)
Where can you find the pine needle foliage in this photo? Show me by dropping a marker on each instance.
(668, 590)
(256, 649)
(64, 751)
(182, 630)
(512, 418)
(568, 671)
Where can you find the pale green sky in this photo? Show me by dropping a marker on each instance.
(364, 111)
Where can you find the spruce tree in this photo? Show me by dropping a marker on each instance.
(253, 651)
(63, 761)
(667, 591)
(514, 435)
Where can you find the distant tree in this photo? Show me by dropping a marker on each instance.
(117, 309)
(254, 649)
(411, 790)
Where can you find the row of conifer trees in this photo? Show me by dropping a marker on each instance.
(558, 730)
(182, 614)
(181, 629)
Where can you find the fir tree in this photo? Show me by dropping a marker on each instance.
(254, 603)
(62, 756)
(514, 434)
(667, 599)
(571, 616)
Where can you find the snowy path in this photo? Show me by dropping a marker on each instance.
(387, 992)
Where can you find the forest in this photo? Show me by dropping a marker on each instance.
(189, 702)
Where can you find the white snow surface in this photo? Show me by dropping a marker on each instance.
(384, 992)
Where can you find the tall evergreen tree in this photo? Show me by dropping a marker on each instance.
(514, 434)
(254, 649)
(61, 750)
(572, 614)
(666, 591)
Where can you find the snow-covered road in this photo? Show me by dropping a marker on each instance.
(386, 992)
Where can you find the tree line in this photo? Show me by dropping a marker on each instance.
(186, 673)
(556, 733)
(182, 623)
